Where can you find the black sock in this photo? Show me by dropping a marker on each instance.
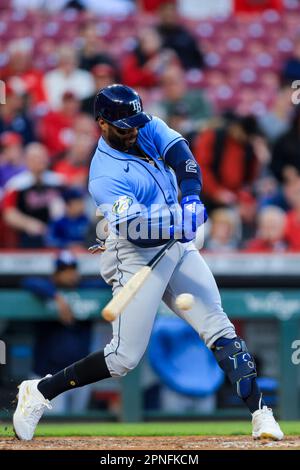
(86, 371)
(255, 401)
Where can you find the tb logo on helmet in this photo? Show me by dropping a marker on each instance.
(120, 106)
(137, 106)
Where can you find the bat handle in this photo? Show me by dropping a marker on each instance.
(156, 259)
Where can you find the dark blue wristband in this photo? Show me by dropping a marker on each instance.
(189, 187)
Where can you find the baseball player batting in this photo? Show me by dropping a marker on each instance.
(136, 171)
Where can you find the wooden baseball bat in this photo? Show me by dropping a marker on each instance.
(118, 303)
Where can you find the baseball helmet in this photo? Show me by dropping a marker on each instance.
(65, 259)
(120, 106)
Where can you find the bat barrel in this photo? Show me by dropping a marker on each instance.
(120, 301)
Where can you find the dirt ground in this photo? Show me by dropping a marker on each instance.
(149, 443)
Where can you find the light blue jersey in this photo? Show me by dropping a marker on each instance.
(124, 186)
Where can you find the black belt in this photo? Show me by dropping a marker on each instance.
(150, 244)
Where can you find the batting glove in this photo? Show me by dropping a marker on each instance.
(98, 248)
(193, 215)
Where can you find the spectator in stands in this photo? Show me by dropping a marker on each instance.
(92, 51)
(246, 100)
(70, 230)
(177, 97)
(180, 120)
(256, 6)
(270, 232)
(292, 228)
(149, 6)
(11, 161)
(13, 117)
(74, 166)
(32, 198)
(20, 74)
(247, 208)
(227, 159)
(270, 193)
(285, 158)
(104, 75)
(224, 231)
(291, 68)
(57, 342)
(55, 129)
(178, 38)
(111, 8)
(144, 66)
(193, 10)
(67, 77)
(39, 5)
(276, 121)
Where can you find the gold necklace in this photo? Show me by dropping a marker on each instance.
(144, 156)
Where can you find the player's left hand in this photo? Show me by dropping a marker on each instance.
(98, 248)
(193, 215)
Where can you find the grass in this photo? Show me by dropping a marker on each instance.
(150, 429)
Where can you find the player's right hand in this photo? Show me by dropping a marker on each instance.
(193, 215)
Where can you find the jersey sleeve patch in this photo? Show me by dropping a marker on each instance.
(122, 204)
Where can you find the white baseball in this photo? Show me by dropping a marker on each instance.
(184, 301)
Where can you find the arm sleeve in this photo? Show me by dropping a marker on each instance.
(10, 199)
(187, 170)
(54, 236)
(43, 288)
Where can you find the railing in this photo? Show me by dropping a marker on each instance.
(237, 264)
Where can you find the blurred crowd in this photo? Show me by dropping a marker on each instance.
(228, 84)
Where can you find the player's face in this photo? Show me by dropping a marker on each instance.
(120, 139)
(68, 277)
